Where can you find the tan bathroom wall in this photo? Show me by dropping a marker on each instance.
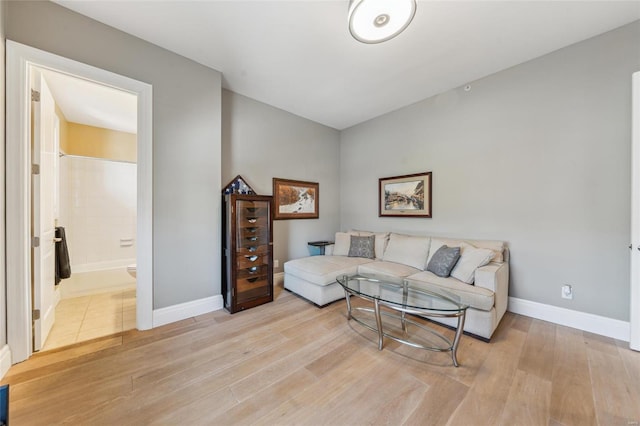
(90, 141)
(64, 131)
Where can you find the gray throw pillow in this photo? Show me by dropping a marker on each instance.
(443, 261)
(362, 246)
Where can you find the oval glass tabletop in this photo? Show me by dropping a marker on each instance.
(402, 294)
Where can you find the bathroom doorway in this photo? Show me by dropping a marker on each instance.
(21, 314)
(89, 186)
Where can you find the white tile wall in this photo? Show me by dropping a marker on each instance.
(98, 209)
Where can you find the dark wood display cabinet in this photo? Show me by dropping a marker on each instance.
(247, 273)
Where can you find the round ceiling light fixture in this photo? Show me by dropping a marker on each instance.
(375, 21)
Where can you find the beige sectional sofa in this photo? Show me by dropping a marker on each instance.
(480, 278)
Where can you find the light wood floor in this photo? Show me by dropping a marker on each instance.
(289, 362)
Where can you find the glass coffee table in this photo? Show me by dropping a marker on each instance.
(404, 299)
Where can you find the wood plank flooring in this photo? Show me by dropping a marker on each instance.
(289, 362)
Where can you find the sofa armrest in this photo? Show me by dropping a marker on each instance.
(487, 276)
(495, 277)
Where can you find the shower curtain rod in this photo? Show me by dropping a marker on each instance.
(62, 154)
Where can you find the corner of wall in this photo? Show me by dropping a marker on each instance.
(186, 310)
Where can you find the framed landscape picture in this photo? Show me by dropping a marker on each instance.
(405, 196)
(295, 199)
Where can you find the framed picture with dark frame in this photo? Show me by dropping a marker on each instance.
(295, 199)
(405, 196)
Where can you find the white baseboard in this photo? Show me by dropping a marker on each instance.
(101, 266)
(186, 310)
(604, 326)
(71, 292)
(96, 282)
(5, 360)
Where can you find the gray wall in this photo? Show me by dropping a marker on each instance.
(3, 304)
(261, 142)
(537, 155)
(186, 139)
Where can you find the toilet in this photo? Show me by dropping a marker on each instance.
(131, 269)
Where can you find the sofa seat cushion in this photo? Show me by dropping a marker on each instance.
(323, 270)
(475, 297)
(391, 271)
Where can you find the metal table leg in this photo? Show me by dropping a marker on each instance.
(456, 340)
(376, 306)
(405, 293)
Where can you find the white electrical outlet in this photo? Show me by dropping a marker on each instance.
(567, 292)
(276, 263)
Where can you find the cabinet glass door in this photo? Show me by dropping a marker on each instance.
(253, 250)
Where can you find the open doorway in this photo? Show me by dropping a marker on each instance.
(22, 63)
(86, 191)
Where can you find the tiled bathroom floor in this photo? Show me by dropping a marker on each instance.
(87, 317)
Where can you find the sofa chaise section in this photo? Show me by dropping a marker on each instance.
(314, 277)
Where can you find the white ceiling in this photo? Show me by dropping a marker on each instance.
(300, 57)
(93, 104)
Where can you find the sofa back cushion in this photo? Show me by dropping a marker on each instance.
(342, 244)
(471, 258)
(497, 247)
(435, 245)
(382, 239)
(408, 250)
(443, 261)
(362, 247)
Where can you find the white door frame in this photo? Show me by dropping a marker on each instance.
(20, 59)
(634, 340)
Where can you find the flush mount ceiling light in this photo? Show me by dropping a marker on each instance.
(375, 21)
